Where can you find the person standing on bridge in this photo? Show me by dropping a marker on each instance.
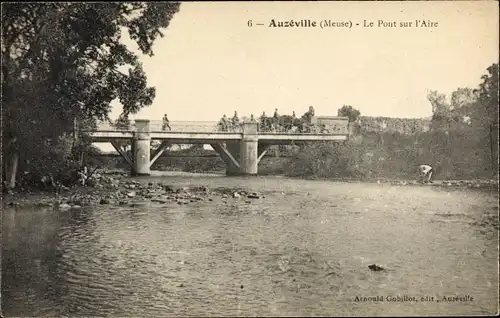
(166, 123)
(235, 120)
(293, 115)
(224, 122)
(311, 111)
(309, 114)
(252, 119)
(263, 118)
(276, 115)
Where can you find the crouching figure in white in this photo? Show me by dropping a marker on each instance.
(426, 172)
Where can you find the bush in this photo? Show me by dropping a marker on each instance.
(58, 157)
(456, 154)
(325, 160)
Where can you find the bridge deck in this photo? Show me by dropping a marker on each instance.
(205, 138)
(207, 132)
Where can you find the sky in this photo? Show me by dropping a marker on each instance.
(211, 63)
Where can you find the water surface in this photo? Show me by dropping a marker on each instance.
(303, 250)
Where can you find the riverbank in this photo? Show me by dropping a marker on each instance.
(115, 187)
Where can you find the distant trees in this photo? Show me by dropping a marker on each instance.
(473, 108)
(349, 111)
(462, 100)
(479, 105)
(443, 115)
(353, 115)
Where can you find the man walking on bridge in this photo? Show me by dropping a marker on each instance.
(166, 123)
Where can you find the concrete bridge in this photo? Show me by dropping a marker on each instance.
(241, 148)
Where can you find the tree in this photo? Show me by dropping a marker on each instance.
(123, 123)
(62, 61)
(439, 103)
(488, 95)
(487, 113)
(349, 111)
(462, 100)
(444, 117)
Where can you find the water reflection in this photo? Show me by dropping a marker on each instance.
(303, 250)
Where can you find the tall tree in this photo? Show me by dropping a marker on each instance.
(63, 61)
(488, 110)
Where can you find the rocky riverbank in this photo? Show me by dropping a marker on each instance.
(472, 184)
(118, 189)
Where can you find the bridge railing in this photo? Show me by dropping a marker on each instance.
(333, 127)
(184, 126)
(311, 130)
(173, 126)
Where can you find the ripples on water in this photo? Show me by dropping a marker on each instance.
(303, 250)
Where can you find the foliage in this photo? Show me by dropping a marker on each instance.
(488, 112)
(75, 49)
(123, 123)
(456, 148)
(488, 96)
(65, 61)
(405, 126)
(324, 160)
(462, 99)
(443, 116)
(460, 154)
(349, 111)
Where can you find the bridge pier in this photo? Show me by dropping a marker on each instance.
(230, 158)
(241, 157)
(141, 149)
(233, 147)
(249, 146)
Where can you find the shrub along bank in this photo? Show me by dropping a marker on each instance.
(454, 155)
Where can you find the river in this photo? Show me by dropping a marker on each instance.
(303, 250)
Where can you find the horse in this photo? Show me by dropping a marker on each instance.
(268, 124)
(230, 126)
(290, 123)
(284, 123)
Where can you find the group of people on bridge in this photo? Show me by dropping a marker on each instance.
(275, 123)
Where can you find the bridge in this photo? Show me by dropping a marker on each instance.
(241, 148)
